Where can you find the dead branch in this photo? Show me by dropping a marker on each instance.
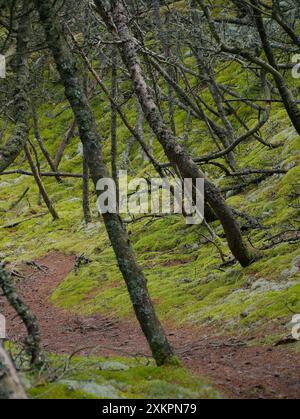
(16, 223)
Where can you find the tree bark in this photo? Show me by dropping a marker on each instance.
(65, 141)
(33, 340)
(40, 184)
(10, 385)
(41, 142)
(114, 120)
(132, 273)
(177, 155)
(14, 145)
(164, 39)
(85, 190)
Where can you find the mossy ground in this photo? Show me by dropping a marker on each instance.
(93, 377)
(183, 271)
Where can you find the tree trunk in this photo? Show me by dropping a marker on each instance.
(174, 151)
(132, 273)
(41, 142)
(65, 141)
(33, 340)
(162, 34)
(14, 145)
(114, 120)
(85, 190)
(10, 385)
(40, 184)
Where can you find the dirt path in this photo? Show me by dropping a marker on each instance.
(240, 372)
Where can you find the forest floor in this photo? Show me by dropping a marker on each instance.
(235, 364)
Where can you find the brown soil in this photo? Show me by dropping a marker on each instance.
(238, 370)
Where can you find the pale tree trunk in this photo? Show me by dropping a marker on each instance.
(10, 385)
(176, 153)
(132, 273)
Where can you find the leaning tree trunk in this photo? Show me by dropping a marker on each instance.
(132, 273)
(117, 23)
(14, 145)
(63, 145)
(10, 385)
(40, 184)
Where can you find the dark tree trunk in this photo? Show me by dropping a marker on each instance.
(14, 145)
(132, 273)
(114, 119)
(85, 190)
(40, 184)
(41, 142)
(65, 141)
(164, 39)
(174, 151)
(33, 340)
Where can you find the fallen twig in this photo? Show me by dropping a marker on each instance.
(16, 223)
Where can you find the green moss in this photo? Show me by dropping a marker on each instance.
(140, 379)
(57, 391)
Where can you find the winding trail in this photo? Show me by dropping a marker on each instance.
(239, 371)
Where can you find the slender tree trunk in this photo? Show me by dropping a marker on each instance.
(174, 151)
(41, 143)
(14, 145)
(40, 184)
(65, 141)
(10, 385)
(85, 167)
(140, 127)
(85, 190)
(164, 39)
(3, 129)
(114, 120)
(206, 73)
(132, 273)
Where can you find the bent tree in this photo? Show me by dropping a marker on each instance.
(117, 22)
(132, 273)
